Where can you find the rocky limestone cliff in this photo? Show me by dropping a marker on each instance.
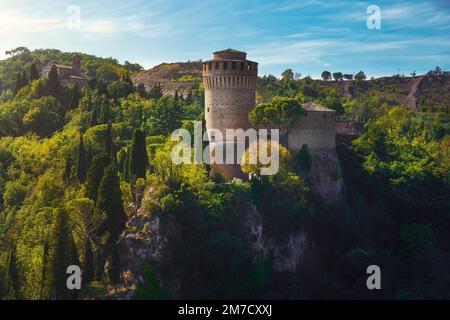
(149, 240)
(326, 176)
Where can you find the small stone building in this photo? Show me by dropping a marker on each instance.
(68, 74)
(316, 128)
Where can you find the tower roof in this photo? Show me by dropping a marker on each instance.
(230, 54)
(229, 50)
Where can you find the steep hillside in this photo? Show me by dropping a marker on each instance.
(172, 76)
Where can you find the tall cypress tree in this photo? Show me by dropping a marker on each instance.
(93, 122)
(95, 174)
(74, 259)
(18, 84)
(13, 275)
(68, 169)
(81, 162)
(138, 157)
(75, 97)
(24, 78)
(88, 263)
(114, 156)
(89, 156)
(108, 139)
(126, 166)
(45, 289)
(104, 112)
(109, 199)
(64, 254)
(53, 84)
(114, 265)
(34, 74)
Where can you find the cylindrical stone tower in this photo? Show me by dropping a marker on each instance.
(230, 86)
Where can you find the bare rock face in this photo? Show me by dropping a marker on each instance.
(288, 255)
(253, 230)
(326, 176)
(288, 252)
(148, 240)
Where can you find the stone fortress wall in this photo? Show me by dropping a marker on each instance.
(316, 128)
(230, 88)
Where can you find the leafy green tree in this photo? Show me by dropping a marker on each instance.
(348, 76)
(120, 89)
(360, 76)
(287, 75)
(43, 117)
(81, 162)
(155, 92)
(138, 156)
(337, 76)
(11, 117)
(141, 91)
(326, 75)
(133, 67)
(166, 116)
(95, 174)
(109, 199)
(280, 114)
(302, 161)
(151, 288)
(15, 193)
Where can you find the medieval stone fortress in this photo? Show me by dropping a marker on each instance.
(230, 89)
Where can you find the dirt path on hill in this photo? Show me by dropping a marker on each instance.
(410, 100)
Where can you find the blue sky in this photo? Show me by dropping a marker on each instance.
(308, 36)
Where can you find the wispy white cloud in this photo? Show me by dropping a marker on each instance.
(404, 15)
(13, 21)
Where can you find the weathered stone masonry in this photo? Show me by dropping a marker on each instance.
(230, 87)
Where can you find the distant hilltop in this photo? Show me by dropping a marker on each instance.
(406, 90)
(431, 89)
(179, 76)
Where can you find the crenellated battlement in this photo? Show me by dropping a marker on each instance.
(219, 67)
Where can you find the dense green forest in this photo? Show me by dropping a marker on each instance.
(75, 165)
